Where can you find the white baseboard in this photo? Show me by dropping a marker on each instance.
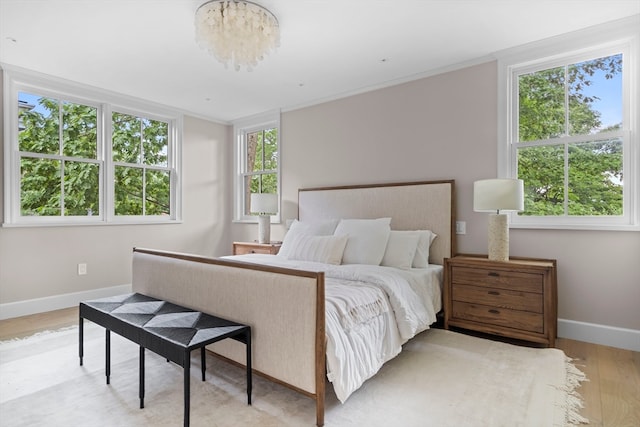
(56, 302)
(628, 339)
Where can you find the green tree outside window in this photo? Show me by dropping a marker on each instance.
(60, 166)
(567, 168)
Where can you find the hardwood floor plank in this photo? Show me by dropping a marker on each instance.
(620, 387)
(20, 327)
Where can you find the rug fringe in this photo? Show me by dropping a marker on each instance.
(574, 401)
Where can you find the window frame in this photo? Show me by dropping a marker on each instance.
(600, 41)
(241, 128)
(18, 80)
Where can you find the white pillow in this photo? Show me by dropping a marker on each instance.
(319, 228)
(401, 249)
(425, 239)
(325, 249)
(315, 228)
(421, 259)
(367, 239)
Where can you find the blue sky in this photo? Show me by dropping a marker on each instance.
(33, 100)
(610, 93)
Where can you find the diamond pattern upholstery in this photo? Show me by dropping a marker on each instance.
(180, 325)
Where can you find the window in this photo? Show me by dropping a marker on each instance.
(142, 176)
(257, 153)
(59, 169)
(76, 157)
(570, 135)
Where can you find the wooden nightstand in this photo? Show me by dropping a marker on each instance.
(515, 298)
(242, 248)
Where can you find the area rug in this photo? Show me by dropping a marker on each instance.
(442, 378)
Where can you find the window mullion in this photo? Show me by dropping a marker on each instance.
(263, 149)
(565, 189)
(566, 101)
(144, 170)
(61, 153)
(61, 201)
(106, 118)
(60, 126)
(144, 191)
(141, 143)
(566, 179)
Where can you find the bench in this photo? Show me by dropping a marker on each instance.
(167, 329)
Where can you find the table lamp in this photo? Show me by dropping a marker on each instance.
(496, 196)
(264, 204)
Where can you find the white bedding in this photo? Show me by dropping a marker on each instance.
(370, 312)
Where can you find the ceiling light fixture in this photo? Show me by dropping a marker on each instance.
(236, 32)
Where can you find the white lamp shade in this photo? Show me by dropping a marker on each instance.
(494, 195)
(264, 203)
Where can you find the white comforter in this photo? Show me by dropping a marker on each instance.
(370, 312)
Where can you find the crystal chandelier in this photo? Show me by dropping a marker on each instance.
(237, 32)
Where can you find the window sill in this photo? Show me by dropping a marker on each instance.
(90, 224)
(583, 227)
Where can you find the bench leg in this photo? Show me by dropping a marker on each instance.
(203, 361)
(107, 356)
(141, 386)
(249, 372)
(187, 387)
(81, 339)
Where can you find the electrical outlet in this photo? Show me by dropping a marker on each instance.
(461, 227)
(82, 269)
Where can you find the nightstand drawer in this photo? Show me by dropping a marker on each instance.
(243, 248)
(523, 320)
(497, 278)
(500, 298)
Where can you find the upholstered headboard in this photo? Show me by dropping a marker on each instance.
(426, 205)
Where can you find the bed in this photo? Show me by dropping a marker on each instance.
(324, 308)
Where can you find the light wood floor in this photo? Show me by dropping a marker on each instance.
(611, 396)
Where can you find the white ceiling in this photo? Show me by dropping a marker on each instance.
(328, 48)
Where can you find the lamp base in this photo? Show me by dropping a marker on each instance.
(498, 237)
(264, 229)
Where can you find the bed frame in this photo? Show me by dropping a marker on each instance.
(284, 307)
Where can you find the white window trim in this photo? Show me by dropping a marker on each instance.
(16, 80)
(619, 35)
(241, 128)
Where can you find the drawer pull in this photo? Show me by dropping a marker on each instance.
(492, 311)
(493, 293)
(494, 274)
(253, 251)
